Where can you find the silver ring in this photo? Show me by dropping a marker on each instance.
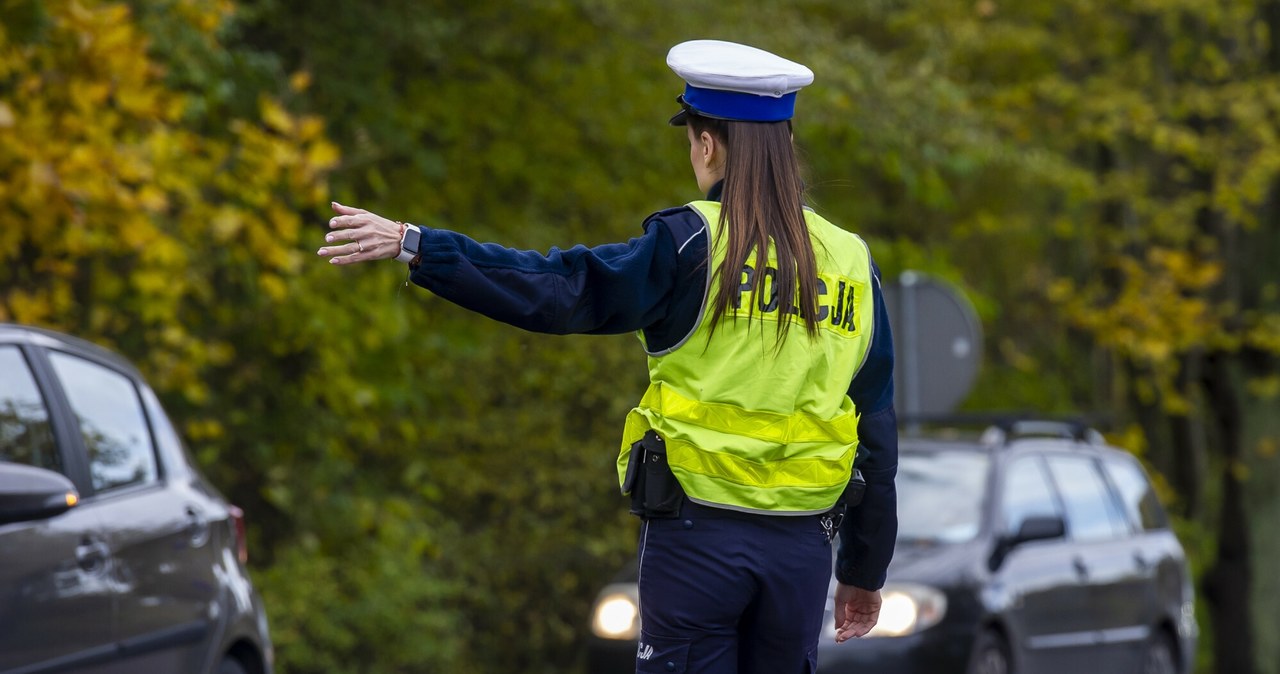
(360, 244)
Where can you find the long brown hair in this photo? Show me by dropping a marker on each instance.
(763, 199)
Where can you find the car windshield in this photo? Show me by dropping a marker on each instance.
(940, 495)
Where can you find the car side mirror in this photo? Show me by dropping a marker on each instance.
(30, 493)
(1038, 528)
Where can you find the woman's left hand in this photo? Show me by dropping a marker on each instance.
(368, 236)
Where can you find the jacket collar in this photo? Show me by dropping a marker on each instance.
(714, 193)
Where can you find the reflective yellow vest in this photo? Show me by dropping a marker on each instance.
(750, 426)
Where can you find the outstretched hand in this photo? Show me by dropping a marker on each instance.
(368, 236)
(856, 611)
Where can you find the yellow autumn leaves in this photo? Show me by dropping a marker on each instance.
(118, 206)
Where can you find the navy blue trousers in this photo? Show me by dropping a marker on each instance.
(723, 592)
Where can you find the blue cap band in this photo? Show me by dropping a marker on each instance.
(739, 106)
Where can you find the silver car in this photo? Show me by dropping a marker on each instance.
(115, 554)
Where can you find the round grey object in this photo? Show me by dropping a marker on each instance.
(937, 343)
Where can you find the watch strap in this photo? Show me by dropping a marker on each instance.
(409, 243)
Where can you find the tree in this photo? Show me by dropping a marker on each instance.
(1166, 113)
(412, 469)
(146, 210)
(544, 124)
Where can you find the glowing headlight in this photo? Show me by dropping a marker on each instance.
(617, 613)
(908, 609)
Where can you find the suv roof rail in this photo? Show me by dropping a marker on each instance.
(1002, 418)
(1005, 431)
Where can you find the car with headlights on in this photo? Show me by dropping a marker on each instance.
(1035, 549)
(116, 555)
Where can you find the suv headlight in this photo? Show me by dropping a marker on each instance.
(907, 608)
(617, 612)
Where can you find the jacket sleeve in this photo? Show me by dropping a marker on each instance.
(608, 289)
(869, 530)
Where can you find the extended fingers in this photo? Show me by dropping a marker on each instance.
(345, 235)
(343, 253)
(345, 210)
(353, 245)
(347, 216)
(347, 221)
(371, 236)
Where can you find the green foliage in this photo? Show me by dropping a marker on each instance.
(538, 125)
(426, 487)
(119, 215)
(1162, 116)
(376, 605)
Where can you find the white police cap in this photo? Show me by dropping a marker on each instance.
(726, 80)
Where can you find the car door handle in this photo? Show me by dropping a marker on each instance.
(1082, 570)
(91, 555)
(1140, 560)
(197, 526)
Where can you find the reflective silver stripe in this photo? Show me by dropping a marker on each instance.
(644, 545)
(691, 238)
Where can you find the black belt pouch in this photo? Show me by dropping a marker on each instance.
(655, 492)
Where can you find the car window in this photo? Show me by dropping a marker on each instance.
(25, 434)
(940, 495)
(1139, 499)
(1026, 493)
(111, 421)
(166, 436)
(1091, 512)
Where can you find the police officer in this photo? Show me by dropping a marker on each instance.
(770, 364)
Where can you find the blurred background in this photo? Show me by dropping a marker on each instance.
(428, 490)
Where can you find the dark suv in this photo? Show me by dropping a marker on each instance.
(1036, 549)
(115, 554)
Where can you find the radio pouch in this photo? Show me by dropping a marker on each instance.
(655, 492)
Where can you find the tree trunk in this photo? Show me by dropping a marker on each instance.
(1188, 473)
(1156, 427)
(1227, 584)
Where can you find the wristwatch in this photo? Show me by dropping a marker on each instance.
(409, 244)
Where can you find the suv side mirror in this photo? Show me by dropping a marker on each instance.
(1038, 528)
(30, 493)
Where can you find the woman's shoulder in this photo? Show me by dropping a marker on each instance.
(682, 222)
(674, 213)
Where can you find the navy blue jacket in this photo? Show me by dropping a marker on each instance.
(656, 283)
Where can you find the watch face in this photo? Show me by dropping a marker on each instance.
(411, 238)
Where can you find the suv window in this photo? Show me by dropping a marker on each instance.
(1136, 494)
(940, 495)
(1091, 511)
(1026, 493)
(25, 434)
(111, 421)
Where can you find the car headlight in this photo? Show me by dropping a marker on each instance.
(907, 608)
(617, 612)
